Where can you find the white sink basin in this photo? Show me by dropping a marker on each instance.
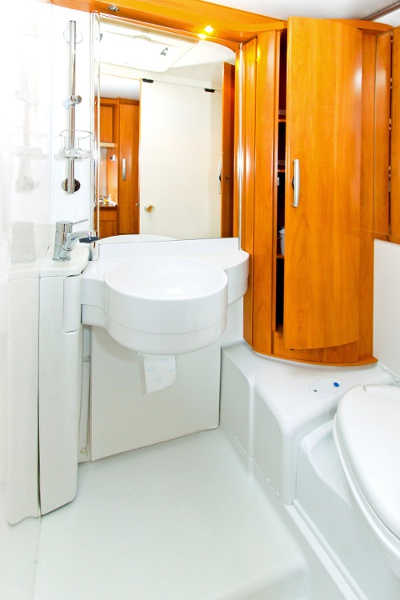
(163, 304)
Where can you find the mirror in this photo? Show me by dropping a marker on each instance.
(166, 106)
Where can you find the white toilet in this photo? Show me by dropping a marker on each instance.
(366, 432)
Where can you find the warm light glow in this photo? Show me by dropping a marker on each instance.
(202, 36)
(208, 29)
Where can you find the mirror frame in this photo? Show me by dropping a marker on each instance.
(231, 27)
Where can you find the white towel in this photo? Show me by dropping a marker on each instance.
(159, 371)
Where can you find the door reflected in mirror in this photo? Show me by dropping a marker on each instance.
(166, 134)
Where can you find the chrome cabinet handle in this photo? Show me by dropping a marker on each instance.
(124, 169)
(296, 182)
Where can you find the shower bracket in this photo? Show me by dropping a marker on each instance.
(72, 138)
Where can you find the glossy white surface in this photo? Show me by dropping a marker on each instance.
(60, 374)
(147, 304)
(165, 278)
(386, 304)
(366, 435)
(175, 521)
(124, 415)
(223, 253)
(165, 305)
(18, 548)
(324, 502)
(288, 400)
(284, 429)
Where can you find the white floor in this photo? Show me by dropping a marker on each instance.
(177, 521)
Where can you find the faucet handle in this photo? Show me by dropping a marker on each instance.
(64, 226)
(89, 238)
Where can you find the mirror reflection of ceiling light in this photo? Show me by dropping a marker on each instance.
(141, 48)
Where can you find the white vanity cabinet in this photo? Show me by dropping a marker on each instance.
(60, 376)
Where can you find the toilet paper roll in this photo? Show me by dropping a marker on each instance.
(159, 371)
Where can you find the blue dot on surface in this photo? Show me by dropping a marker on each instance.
(336, 384)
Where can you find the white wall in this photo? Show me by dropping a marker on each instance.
(25, 175)
(77, 206)
(387, 305)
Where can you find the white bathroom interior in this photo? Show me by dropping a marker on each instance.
(192, 468)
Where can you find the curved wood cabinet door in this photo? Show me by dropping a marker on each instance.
(323, 115)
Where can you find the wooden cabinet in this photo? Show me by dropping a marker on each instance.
(108, 221)
(119, 166)
(307, 104)
(323, 133)
(128, 180)
(109, 121)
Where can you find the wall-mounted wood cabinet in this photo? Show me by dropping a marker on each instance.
(308, 131)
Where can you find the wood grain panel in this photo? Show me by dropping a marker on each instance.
(230, 25)
(382, 135)
(249, 55)
(265, 194)
(109, 120)
(348, 354)
(108, 221)
(395, 155)
(321, 307)
(367, 197)
(128, 190)
(227, 173)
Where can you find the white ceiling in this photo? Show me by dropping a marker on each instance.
(124, 84)
(328, 9)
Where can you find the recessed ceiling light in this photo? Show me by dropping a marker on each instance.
(208, 29)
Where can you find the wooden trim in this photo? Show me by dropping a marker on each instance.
(346, 355)
(248, 142)
(230, 25)
(265, 192)
(382, 134)
(227, 172)
(367, 197)
(366, 26)
(395, 149)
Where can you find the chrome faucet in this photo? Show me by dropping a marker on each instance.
(66, 239)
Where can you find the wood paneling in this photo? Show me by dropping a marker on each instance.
(231, 26)
(109, 121)
(367, 197)
(227, 172)
(108, 221)
(248, 168)
(128, 189)
(265, 189)
(395, 155)
(321, 306)
(382, 135)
